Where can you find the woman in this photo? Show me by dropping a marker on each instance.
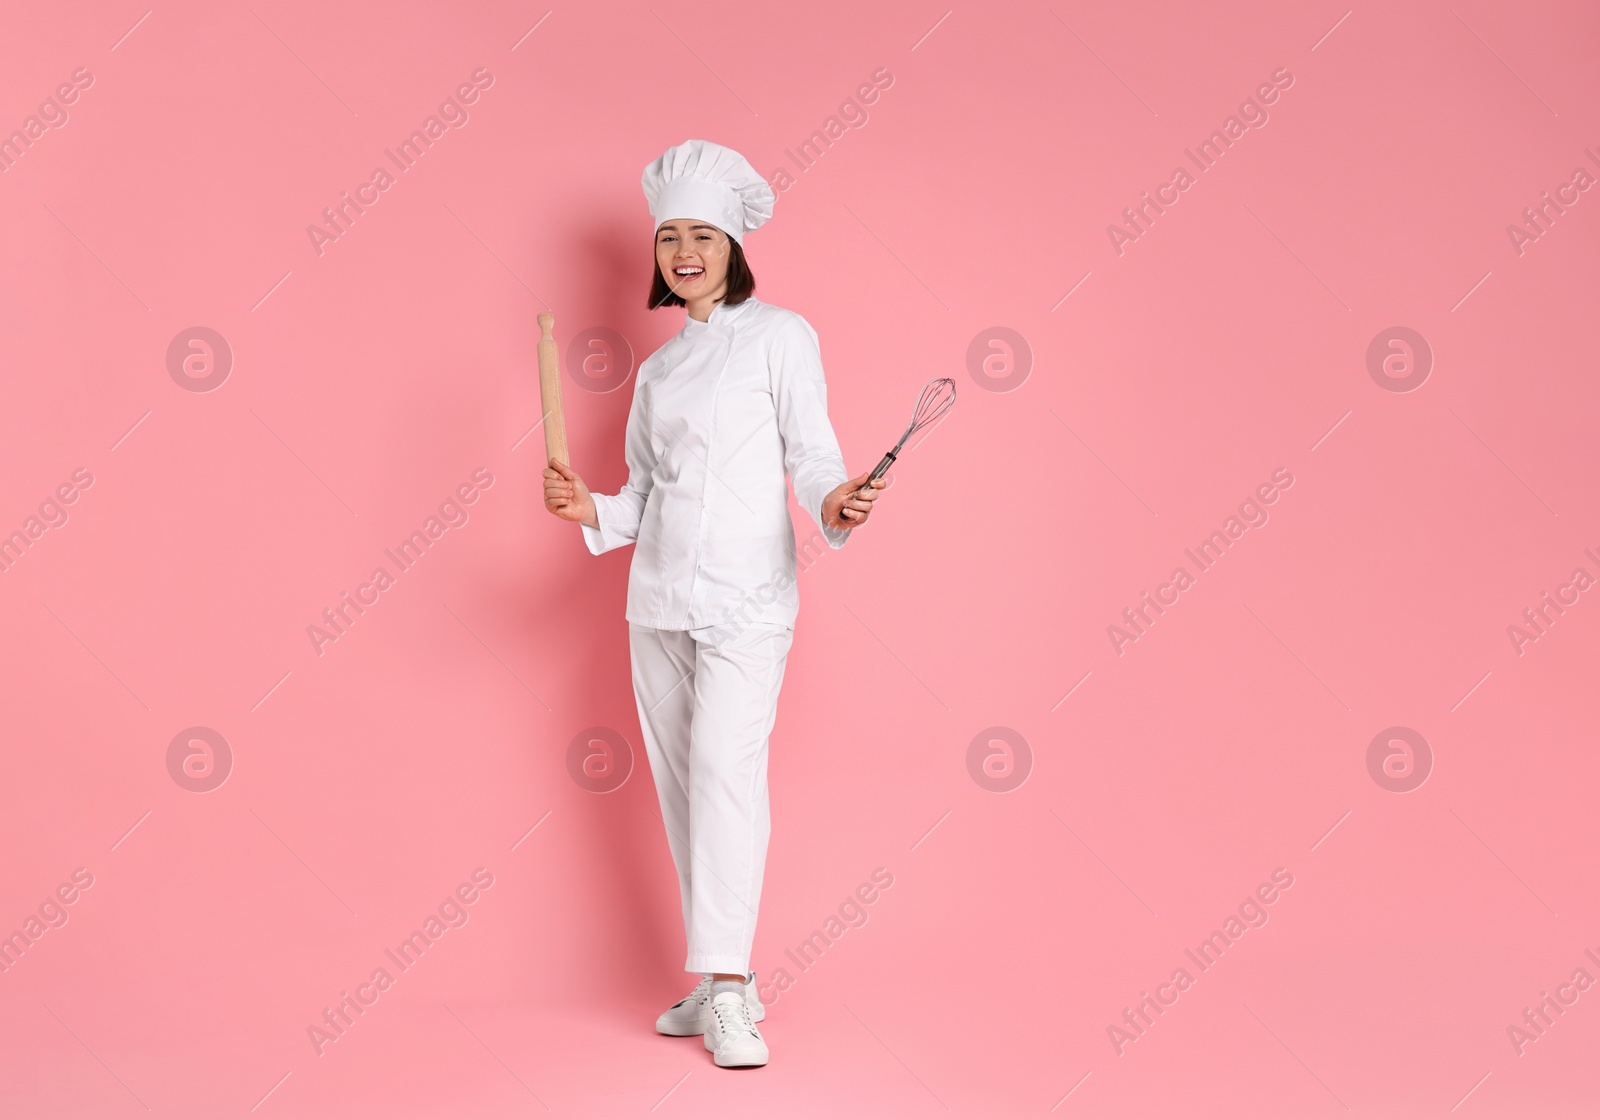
(720, 412)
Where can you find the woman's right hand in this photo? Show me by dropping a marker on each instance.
(566, 496)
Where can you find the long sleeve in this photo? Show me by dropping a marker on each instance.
(620, 514)
(810, 448)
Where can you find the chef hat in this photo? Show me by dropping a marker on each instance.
(699, 179)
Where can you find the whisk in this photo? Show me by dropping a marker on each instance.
(938, 396)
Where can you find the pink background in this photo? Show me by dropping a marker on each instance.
(1231, 739)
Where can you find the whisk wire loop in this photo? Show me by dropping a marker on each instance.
(938, 396)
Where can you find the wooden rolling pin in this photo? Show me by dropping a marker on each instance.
(555, 425)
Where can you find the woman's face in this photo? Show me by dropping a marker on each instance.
(693, 258)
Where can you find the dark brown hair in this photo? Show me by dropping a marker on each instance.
(741, 282)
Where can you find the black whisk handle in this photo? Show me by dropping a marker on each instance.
(877, 472)
(882, 468)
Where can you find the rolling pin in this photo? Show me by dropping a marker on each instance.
(555, 426)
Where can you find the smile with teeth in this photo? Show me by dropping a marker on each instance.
(689, 272)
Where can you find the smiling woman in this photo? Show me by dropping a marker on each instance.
(698, 257)
(737, 397)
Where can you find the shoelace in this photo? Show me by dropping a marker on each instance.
(701, 993)
(733, 1016)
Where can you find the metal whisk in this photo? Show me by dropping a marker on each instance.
(938, 396)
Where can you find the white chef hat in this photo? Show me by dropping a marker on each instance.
(699, 179)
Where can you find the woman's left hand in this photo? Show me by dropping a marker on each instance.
(849, 505)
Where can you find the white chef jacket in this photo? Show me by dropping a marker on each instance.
(720, 412)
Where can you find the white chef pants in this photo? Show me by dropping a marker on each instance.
(707, 700)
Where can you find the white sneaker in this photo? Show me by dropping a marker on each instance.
(688, 1016)
(731, 1034)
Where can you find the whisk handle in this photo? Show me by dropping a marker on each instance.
(882, 468)
(877, 472)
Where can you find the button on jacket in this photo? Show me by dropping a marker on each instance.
(720, 412)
